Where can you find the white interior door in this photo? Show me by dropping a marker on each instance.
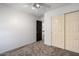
(72, 31)
(58, 31)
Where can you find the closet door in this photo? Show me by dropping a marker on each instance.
(58, 31)
(72, 31)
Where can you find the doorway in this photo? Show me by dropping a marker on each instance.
(38, 30)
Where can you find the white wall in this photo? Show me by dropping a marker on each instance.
(16, 29)
(51, 13)
(47, 29)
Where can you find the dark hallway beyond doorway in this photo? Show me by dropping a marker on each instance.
(39, 30)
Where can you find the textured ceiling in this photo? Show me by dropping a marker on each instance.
(27, 7)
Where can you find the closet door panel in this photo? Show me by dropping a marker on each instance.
(72, 31)
(58, 31)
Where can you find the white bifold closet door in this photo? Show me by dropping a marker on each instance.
(58, 31)
(72, 31)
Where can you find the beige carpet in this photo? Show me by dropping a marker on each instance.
(39, 49)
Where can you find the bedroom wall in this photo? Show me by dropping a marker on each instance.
(17, 29)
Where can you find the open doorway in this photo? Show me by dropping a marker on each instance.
(38, 30)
